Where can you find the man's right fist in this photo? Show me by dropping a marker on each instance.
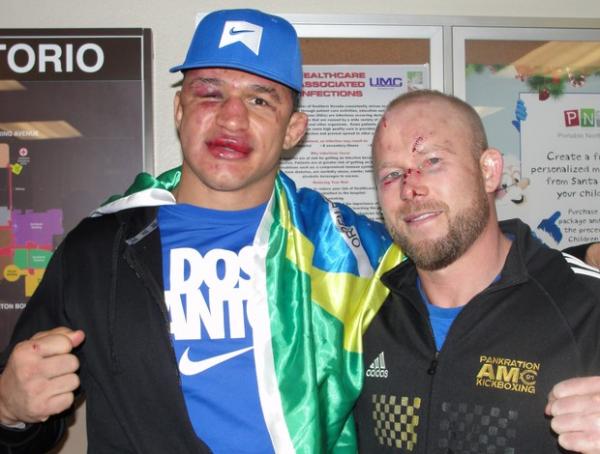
(40, 377)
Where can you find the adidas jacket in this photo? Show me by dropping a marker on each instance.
(486, 390)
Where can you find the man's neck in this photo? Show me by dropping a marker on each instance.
(191, 192)
(456, 284)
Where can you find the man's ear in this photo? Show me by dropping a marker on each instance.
(177, 109)
(296, 129)
(491, 164)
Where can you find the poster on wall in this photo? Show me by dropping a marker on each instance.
(560, 160)
(75, 126)
(539, 99)
(549, 135)
(344, 104)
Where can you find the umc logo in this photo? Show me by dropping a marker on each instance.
(586, 118)
(385, 82)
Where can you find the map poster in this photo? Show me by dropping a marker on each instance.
(344, 104)
(75, 127)
(560, 160)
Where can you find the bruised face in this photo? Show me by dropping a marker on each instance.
(429, 182)
(233, 127)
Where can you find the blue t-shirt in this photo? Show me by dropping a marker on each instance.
(207, 272)
(441, 318)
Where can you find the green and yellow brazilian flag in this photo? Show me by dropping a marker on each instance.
(319, 264)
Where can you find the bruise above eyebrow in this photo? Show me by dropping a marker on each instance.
(257, 88)
(205, 81)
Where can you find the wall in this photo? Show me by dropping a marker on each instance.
(172, 27)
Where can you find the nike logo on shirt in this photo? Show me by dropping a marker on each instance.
(189, 367)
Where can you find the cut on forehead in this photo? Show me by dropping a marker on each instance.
(465, 110)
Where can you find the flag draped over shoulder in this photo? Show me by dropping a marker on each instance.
(321, 263)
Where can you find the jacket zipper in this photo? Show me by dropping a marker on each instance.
(433, 364)
(431, 372)
(150, 284)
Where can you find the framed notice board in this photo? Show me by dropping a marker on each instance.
(353, 67)
(537, 89)
(75, 123)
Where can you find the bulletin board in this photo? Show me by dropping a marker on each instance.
(538, 93)
(350, 74)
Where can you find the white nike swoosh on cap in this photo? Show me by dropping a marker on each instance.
(189, 367)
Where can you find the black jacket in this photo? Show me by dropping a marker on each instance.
(486, 390)
(106, 279)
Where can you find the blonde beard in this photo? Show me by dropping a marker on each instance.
(463, 229)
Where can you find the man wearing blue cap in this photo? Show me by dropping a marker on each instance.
(206, 311)
(209, 309)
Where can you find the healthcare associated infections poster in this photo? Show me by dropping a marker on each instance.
(344, 104)
(75, 127)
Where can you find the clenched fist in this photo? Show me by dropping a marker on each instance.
(40, 377)
(574, 406)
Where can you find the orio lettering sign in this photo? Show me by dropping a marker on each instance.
(71, 55)
(22, 58)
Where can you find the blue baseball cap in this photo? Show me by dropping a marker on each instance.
(249, 40)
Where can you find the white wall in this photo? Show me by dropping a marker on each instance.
(172, 26)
